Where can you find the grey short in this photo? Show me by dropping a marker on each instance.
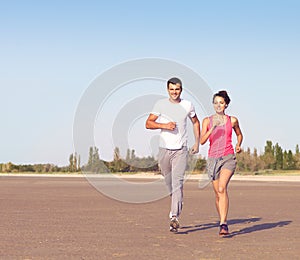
(215, 165)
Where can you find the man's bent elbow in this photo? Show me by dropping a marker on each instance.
(148, 125)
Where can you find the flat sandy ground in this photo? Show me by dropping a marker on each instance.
(67, 218)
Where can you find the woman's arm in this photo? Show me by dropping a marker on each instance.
(204, 132)
(238, 132)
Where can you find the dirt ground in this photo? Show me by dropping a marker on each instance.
(67, 218)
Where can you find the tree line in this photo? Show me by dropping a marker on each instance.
(273, 158)
(131, 163)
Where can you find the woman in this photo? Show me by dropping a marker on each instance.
(221, 161)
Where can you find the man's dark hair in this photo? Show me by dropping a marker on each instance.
(174, 81)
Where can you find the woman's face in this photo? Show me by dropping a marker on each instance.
(219, 104)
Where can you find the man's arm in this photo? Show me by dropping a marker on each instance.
(152, 124)
(196, 129)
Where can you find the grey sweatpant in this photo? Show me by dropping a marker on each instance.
(173, 165)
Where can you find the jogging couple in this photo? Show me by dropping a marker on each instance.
(170, 116)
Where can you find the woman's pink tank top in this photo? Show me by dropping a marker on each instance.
(220, 139)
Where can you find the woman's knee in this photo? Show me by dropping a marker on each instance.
(221, 190)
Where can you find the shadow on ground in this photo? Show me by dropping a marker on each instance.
(255, 228)
(259, 227)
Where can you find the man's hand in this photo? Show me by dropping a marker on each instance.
(195, 149)
(170, 126)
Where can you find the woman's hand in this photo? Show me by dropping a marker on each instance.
(238, 149)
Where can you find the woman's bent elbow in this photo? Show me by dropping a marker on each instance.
(202, 142)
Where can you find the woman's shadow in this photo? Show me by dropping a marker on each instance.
(257, 227)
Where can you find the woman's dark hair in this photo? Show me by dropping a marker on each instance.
(223, 94)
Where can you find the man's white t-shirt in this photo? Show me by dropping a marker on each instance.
(173, 112)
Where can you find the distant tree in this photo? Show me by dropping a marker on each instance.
(55, 168)
(90, 160)
(244, 160)
(268, 156)
(128, 155)
(117, 160)
(47, 167)
(94, 163)
(248, 159)
(297, 149)
(117, 155)
(78, 164)
(290, 163)
(75, 162)
(200, 164)
(255, 153)
(71, 163)
(249, 162)
(132, 157)
(38, 168)
(278, 153)
(132, 163)
(26, 168)
(143, 164)
(297, 157)
(258, 164)
(96, 156)
(12, 167)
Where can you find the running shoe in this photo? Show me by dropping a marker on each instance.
(223, 230)
(174, 224)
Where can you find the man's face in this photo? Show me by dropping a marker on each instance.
(174, 91)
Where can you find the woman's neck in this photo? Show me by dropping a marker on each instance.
(220, 114)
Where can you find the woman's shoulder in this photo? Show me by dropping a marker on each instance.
(233, 120)
(206, 119)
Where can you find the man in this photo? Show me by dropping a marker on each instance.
(170, 115)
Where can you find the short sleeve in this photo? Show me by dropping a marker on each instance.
(156, 110)
(192, 112)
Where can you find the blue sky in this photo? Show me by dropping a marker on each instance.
(52, 50)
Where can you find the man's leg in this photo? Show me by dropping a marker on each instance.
(165, 167)
(164, 159)
(179, 162)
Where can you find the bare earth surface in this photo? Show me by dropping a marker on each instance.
(67, 218)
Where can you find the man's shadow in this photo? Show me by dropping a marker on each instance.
(258, 227)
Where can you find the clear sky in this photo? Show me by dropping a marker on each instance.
(50, 51)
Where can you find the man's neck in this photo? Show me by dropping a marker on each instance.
(175, 101)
